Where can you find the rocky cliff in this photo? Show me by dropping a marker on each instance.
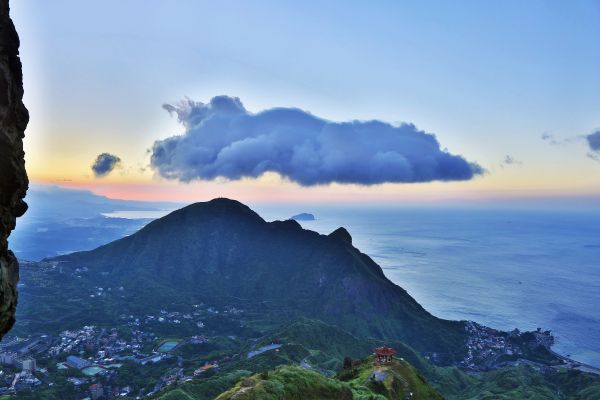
(13, 178)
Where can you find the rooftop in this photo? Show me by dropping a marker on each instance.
(384, 351)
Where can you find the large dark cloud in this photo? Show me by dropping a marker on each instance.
(104, 164)
(222, 139)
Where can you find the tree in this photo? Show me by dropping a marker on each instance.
(347, 362)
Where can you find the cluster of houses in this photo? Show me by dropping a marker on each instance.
(484, 346)
(98, 352)
(21, 355)
(488, 348)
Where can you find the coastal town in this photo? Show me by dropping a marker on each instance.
(91, 358)
(489, 348)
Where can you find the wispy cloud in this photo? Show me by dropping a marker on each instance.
(554, 140)
(104, 164)
(592, 141)
(223, 139)
(510, 160)
(546, 137)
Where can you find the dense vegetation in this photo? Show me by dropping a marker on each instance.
(326, 345)
(394, 381)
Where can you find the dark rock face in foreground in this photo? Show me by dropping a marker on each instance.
(13, 178)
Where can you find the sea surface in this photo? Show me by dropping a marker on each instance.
(504, 268)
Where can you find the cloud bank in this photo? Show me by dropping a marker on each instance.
(223, 139)
(104, 164)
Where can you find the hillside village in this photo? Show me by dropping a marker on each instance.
(90, 357)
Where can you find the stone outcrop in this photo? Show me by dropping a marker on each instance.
(13, 178)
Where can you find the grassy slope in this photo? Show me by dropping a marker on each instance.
(204, 388)
(326, 345)
(329, 344)
(401, 379)
(290, 382)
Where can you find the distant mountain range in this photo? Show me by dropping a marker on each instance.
(223, 250)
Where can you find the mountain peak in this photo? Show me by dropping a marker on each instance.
(223, 203)
(341, 234)
(221, 210)
(219, 206)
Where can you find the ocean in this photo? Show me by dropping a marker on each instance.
(502, 268)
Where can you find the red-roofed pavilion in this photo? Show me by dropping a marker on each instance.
(384, 354)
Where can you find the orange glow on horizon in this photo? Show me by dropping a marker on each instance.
(255, 191)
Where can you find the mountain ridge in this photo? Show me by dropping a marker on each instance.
(222, 248)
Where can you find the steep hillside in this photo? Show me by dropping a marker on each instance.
(329, 345)
(288, 383)
(223, 250)
(363, 380)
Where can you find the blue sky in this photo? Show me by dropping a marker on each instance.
(488, 78)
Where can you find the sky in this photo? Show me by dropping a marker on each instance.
(338, 101)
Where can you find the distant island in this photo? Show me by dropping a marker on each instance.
(303, 217)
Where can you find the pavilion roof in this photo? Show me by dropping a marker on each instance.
(385, 351)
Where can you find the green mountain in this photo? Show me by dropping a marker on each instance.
(363, 380)
(320, 349)
(222, 250)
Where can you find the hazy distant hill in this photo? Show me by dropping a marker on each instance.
(50, 202)
(61, 220)
(303, 217)
(223, 250)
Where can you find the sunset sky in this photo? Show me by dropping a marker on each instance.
(509, 87)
